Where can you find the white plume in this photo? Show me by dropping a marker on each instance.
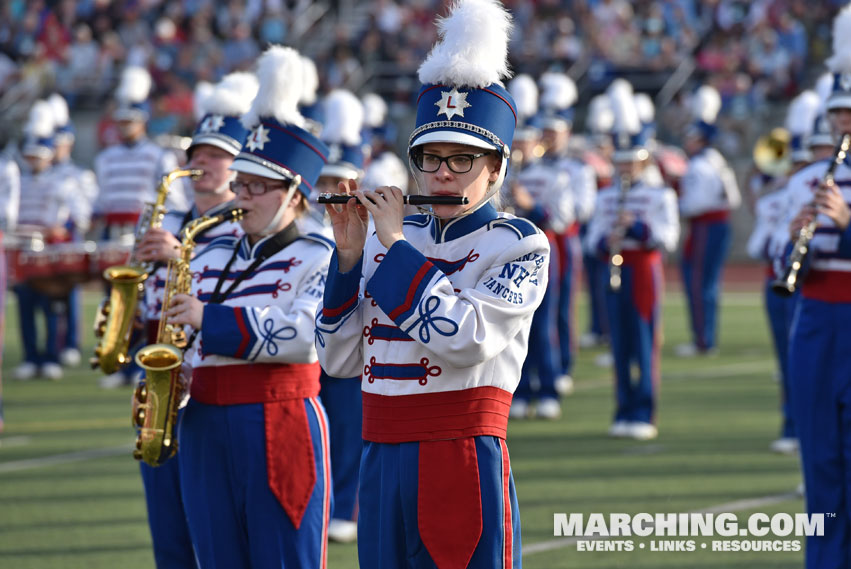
(232, 95)
(472, 49)
(135, 85)
(525, 93)
(59, 106)
(343, 118)
(626, 119)
(199, 98)
(601, 118)
(706, 104)
(840, 61)
(802, 112)
(309, 82)
(824, 85)
(40, 121)
(278, 71)
(374, 110)
(558, 91)
(645, 106)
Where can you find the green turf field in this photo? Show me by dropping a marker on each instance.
(71, 497)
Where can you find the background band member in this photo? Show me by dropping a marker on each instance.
(10, 195)
(128, 174)
(821, 330)
(635, 219)
(254, 436)
(217, 140)
(341, 396)
(442, 353)
(708, 193)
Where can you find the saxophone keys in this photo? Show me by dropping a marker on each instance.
(140, 417)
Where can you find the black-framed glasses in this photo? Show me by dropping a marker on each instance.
(256, 187)
(457, 163)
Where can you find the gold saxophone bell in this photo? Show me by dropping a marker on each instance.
(772, 153)
(116, 317)
(157, 402)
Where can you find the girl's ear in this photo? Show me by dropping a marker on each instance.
(496, 166)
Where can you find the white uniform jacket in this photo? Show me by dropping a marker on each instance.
(437, 325)
(828, 266)
(708, 186)
(656, 224)
(268, 317)
(173, 222)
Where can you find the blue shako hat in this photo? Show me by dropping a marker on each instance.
(628, 137)
(39, 131)
(132, 94)
(822, 134)
(705, 106)
(221, 109)
(62, 127)
(483, 117)
(462, 99)
(839, 63)
(799, 122)
(277, 145)
(344, 115)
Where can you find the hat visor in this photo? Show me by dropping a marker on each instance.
(216, 141)
(37, 151)
(339, 171)
(838, 101)
(454, 137)
(630, 155)
(249, 167)
(129, 115)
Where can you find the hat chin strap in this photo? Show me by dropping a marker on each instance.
(272, 227)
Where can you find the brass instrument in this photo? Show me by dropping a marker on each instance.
(772, 154)
(616, 258)
(117, 313)
(788, 283)
(158, 398)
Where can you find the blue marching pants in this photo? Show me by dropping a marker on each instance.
(780, 310)
(542, 358)
(570, 261)
(599, 322)
(634, 313)
(341, 398)
(820, 373)
(390, 520)
(29, 302)
(702, 264)
(235, 520)
(166, 514)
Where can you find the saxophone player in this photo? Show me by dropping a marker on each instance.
(253, 440)
(637, 219)
(819, 366)
(216, 141)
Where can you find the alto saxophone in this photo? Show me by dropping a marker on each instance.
(616, 258)
(158, 398)
(788, 283)
(114, 322)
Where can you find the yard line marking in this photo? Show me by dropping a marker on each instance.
(57, 459)
(735, 506)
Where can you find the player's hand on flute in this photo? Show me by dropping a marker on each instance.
(829, 201)
(387, 206)
(804, 217)
(349, 222)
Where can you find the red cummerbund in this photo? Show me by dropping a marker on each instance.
(435, 416)
(641, 256)
(827, 286)
(712, 216)
(254, 383)
(122, 218)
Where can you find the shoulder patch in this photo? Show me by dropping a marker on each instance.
(520, 226)
(318, 238)
(221, 242)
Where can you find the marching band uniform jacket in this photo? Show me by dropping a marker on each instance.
(436, 323)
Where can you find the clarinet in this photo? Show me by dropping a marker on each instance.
(788, 283)
(413, 199)
(616, 258)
